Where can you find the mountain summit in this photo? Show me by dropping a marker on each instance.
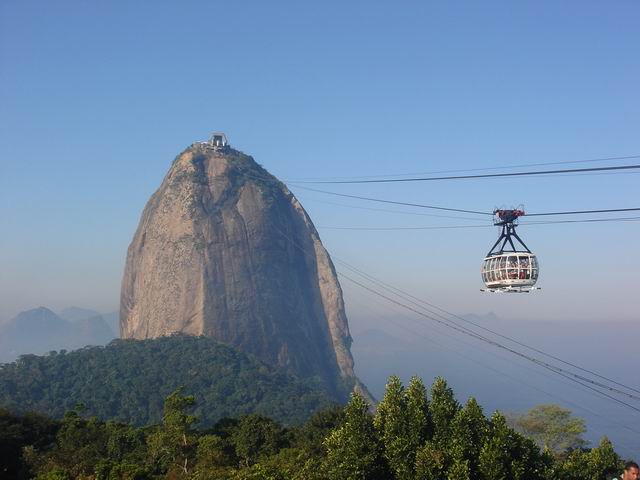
(225, 250)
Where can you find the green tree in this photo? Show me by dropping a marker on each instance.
(598, 463)
(392, 425)
(18, 432)
(572, 466)
(459, 470)
(430, 462)
(551, 427)
(402, 423)
(80, 445)
(212, 458)
(255, 436)
(173, 445)
(419, 427)
(354, 451)
(506, 454)
(468, 433)
(603, 461)
(311, 435)
(443, 408)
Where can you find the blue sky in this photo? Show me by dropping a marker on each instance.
(96, 99)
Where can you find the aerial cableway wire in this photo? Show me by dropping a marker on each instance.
(478, 336)
(576, 378)
(393, 202)
(399, 212)
(407, 297)
(502, 167)
(582, 212)
(557, 370)
(444, 227)
(479, 176)
(449, 209)
(379, 200)
(571, 376)
(520, 380)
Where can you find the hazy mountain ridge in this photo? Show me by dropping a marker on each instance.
(41, 330)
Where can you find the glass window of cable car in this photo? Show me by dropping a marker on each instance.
(536, 269)
(527, 271)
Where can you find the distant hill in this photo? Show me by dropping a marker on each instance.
(40, 330)
(113, 320)
(129, 379)
(75, 314)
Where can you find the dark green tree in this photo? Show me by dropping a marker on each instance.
(310, 436)
(173, 445)
(80, 445)
(443, 408)
(469, 430)
(256, 436)
(392, 425)
(431, 462)
(507, 455)
(402, 423)
(603, 461)
(18, 432)
(418, 417)
(354, 451)
(459, 470)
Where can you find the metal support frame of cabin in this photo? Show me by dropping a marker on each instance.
(508, 219)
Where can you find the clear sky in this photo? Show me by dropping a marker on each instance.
(97, 98)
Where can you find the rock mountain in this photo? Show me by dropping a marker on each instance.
(225, 250)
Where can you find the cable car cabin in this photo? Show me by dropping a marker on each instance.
(506, 268)
(510, 271)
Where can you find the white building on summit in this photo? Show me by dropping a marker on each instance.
(217, 141)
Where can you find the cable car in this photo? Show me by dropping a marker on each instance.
(507, 269)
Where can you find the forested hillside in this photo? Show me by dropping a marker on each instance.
(414, 435)
(128, 380)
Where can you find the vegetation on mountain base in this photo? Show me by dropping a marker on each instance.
(128, 380)
(411, 436)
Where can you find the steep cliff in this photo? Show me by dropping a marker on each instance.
(223, 249)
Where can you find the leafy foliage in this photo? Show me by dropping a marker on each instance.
(552, 427)
(354, 451)
(128, 380)
(17, 432)
(438, 439)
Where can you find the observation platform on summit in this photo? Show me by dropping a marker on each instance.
(217, 141)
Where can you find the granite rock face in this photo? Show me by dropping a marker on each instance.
(225, 250)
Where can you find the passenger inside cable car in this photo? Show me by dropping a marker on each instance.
(510, 270)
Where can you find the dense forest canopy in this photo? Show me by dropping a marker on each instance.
(415, 434)
(128, 381)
